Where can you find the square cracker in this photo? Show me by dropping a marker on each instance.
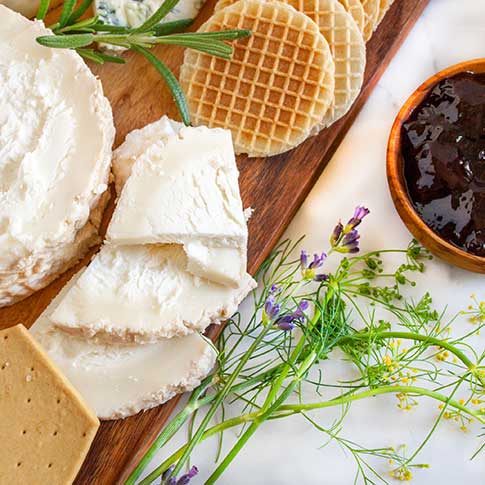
(45, 427)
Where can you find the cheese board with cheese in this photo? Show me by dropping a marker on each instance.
(174, 187)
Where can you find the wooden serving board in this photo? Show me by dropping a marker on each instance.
(275, 188)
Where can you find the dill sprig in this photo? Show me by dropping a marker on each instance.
(400, 347)
(73, 32)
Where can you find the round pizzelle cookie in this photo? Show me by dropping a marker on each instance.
(384, 6)
(347, 47)
(355, 8)
(371, 13)
(276, 88)
(348, 51)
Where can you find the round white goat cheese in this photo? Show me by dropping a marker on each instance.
(56, 135)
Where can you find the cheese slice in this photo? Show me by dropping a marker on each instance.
(142, 294)
(184, 190)
(56, 134)
(120, 380)
(136, 143)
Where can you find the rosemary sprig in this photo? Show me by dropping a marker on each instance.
(300, 317)
(70, 32)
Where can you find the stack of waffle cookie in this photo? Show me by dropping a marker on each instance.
(299, 71)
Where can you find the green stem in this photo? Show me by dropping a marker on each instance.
(218, 400)
(270, 404)
(195, 402)
(418, 337)
(422, 391)
(170, 430)
(285, 410)
(264, 414)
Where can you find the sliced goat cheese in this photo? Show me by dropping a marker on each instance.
(132, 13)
(142, 294)
(184, 190)
(136, 143)
(120, 380)
(56, 134)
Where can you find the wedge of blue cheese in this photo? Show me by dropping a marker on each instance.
(183, 189)
(120, 380)
(143, 293)
(132, 13)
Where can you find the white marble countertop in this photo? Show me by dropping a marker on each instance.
(288, 452)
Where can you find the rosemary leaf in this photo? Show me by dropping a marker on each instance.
(80, 27)
(171, 27)
(166, 7)
(215, 48)
(171, 80)
(67, 10)
(90, 54)
(73, 41)
(222, 35)
(112, 29)
(110, 58)
(43, 8)
(81, 10)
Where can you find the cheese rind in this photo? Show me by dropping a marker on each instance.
(56, 134)
(182, 189)
(142, 294)
(121, 380)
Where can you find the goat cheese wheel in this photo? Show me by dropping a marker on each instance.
(56, 136)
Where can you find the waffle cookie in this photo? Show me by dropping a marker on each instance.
(384, 6)
(371, 13)
(278, 85)
(355, 8)
(346, 44)
(348, 51)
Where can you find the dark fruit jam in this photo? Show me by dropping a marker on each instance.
(443, 146)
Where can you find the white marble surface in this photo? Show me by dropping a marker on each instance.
(287, 452)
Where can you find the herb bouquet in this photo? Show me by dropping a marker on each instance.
(268, 364)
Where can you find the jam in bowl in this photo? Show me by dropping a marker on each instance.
(436, 164)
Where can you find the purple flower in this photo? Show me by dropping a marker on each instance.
(271, 308)
(304, 260)
(317, 261)
(302, 308)
(185, 479)
(359, 213)
(274, 290)
(167, 478)
(287, 322)
(308, 270)
(336, 234)
(321, 277)
(350, 242)
(346, 239)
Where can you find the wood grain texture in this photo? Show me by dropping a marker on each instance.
(274, 187)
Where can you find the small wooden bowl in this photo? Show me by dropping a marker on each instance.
(397, 184)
